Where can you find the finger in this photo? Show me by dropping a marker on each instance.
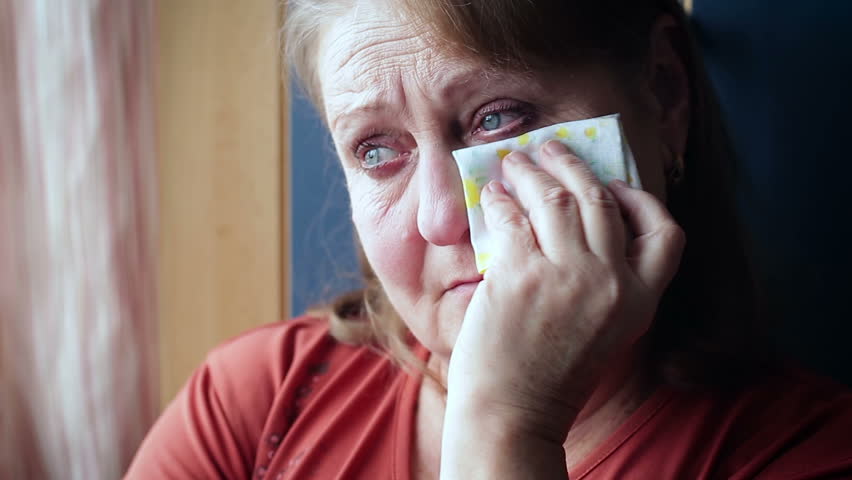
(513, 235)
(599, 211)
(553, 211)
(655, 252)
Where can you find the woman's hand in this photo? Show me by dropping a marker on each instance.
(567, 294)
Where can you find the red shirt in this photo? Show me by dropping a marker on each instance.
(287, 401)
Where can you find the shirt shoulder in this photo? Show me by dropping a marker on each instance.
(252, 365)
(790, 425)
(802, 424)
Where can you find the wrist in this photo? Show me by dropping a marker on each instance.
(489, 443)
(510, 418)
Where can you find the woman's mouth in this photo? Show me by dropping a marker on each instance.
(465, 287)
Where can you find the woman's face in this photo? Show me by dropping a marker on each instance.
(397, 107)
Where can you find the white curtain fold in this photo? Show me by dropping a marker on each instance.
(77, 236)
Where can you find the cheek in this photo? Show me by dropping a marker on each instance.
(387, 229)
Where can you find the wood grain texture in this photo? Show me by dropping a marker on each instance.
(221, 139)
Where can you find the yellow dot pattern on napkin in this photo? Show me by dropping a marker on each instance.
(471, 193)
(479, 166)
(482, 259)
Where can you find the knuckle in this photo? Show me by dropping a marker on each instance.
(599, 196)
(614, 292)
(570, 160)
(513, 221)
(526, 286)
(558, 197)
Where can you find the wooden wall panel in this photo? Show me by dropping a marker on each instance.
(221, 139)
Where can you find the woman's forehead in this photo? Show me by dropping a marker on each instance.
(364, 34)
(360, 48)
(370, 61)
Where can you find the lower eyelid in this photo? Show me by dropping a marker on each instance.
(524, 120)
(386, 169)
(361, 156)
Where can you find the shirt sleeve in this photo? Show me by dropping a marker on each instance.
(212, 427)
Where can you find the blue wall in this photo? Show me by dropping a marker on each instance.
(783, 72)
(324, 262)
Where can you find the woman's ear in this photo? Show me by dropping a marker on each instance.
(668, 84)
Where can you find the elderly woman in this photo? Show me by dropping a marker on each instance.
(599, 344)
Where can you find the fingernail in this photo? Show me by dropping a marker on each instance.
(554, 147)
(619, 184)
(516, 157)
(496, 187)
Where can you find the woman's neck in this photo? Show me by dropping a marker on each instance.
(621, 390)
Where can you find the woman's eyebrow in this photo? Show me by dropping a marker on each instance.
(354, 110)
(466, 84)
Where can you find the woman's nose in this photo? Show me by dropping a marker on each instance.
(441, 214)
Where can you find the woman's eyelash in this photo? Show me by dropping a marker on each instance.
(525, 114)
(378, 141)
(368, 141)
(499, 106)
(363, 147)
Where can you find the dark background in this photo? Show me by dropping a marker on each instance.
(783, 73)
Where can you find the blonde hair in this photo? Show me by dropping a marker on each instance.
(708, 321)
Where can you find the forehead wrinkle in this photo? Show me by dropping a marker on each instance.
(391, 91)
(376, 64)
(395, 44)
(396, 38)
(462, 81)
(388, 62)
(373, 92)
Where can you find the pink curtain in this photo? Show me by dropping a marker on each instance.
(77, 236)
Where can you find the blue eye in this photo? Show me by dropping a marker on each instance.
(501, 119)
(492, 121)
(377, 156)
